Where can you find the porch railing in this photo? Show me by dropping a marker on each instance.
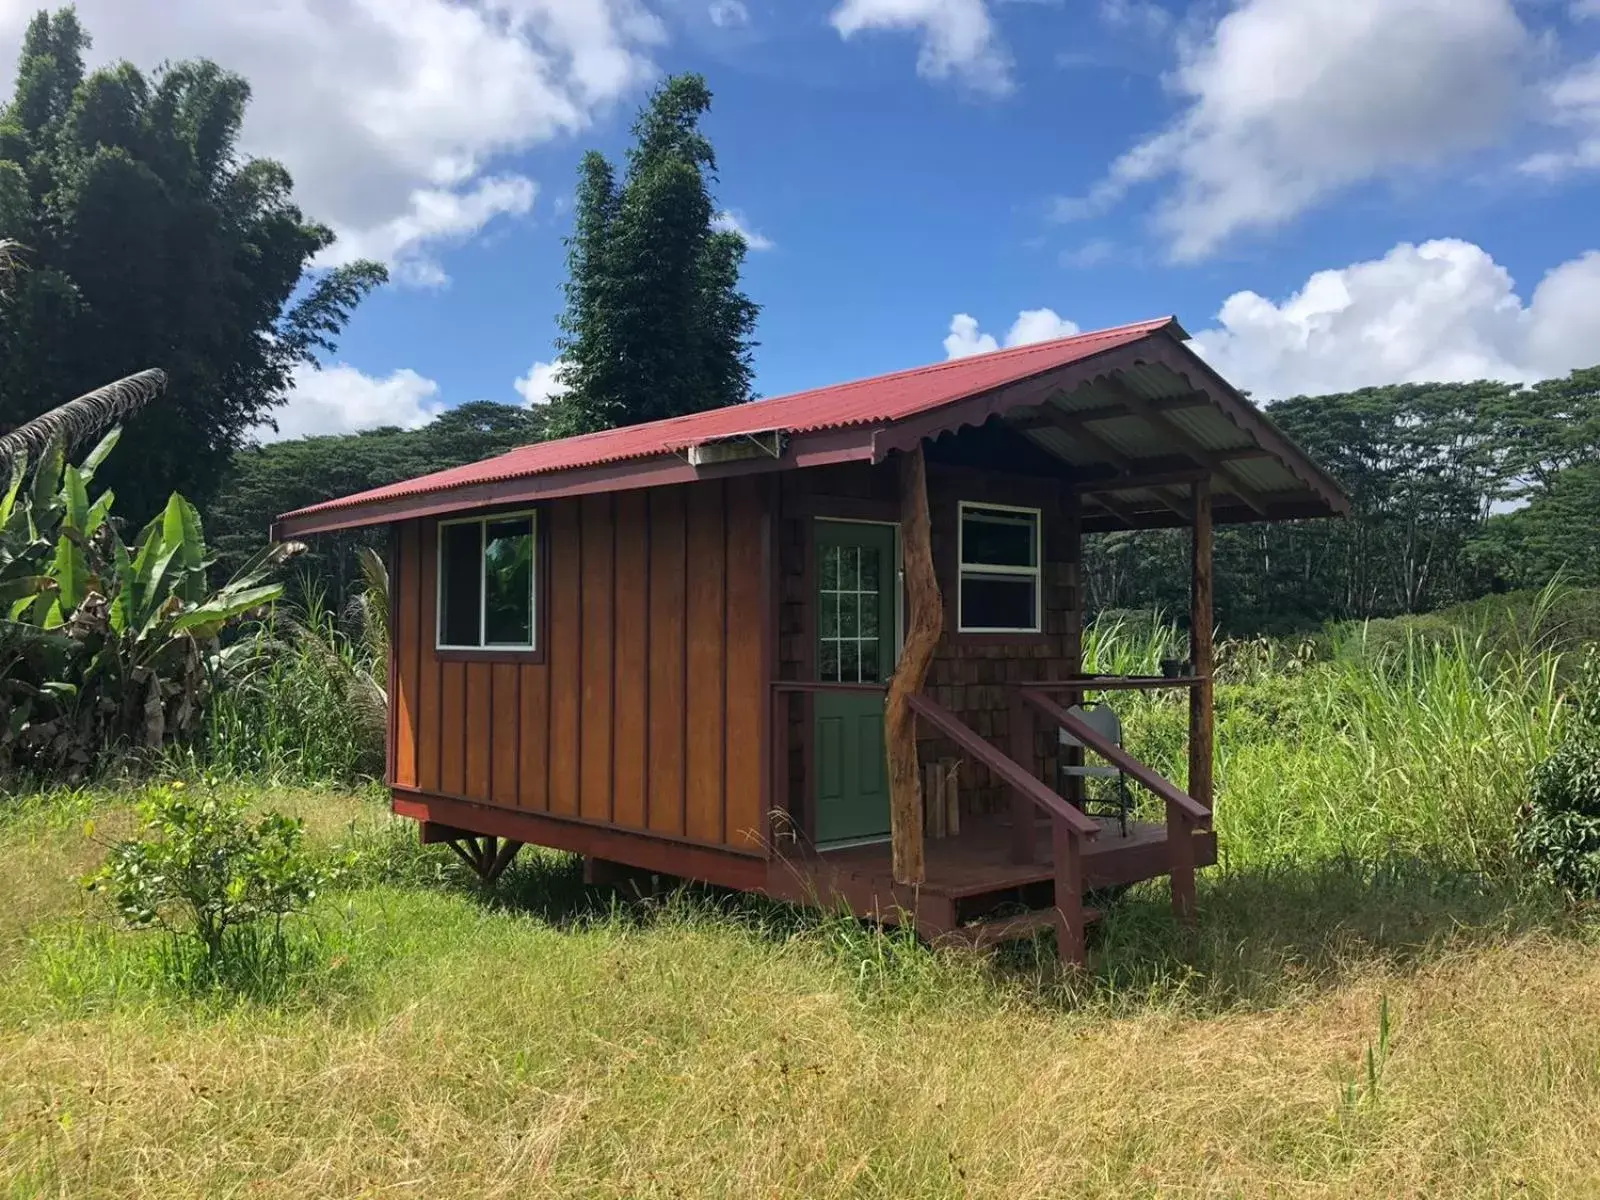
(1069, 827)
(1185, 814)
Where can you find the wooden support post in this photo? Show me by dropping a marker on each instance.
(1019, 719)
(933, 800)
(925, 625)
(1071, 943)
(497, 866)
(1201, 623)
(1180, 828)
(952, 795)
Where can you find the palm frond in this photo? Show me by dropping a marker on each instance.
(78, 420)
(11, 262)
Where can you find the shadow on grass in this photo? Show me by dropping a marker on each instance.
(1266, 936)
(1275, 934)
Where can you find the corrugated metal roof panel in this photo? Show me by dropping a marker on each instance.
(869, 401)
(1153, 367)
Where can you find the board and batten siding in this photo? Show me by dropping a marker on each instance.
(649, 709)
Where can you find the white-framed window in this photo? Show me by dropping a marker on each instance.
(999, 553)
(488, 583)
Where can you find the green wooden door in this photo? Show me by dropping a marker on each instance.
(856, 582)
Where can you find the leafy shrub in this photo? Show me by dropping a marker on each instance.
(309, 695)
(202, 870)
(1558, 830)
(103, 644)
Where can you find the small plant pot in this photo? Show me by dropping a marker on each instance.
(1171, 668)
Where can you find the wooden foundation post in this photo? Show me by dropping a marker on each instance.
(1071, 939)
(925, 624)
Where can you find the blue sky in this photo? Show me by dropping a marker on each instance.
(1328, 193)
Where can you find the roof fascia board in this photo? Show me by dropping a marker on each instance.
(804, 450)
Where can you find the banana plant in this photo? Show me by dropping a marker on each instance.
(101, 643)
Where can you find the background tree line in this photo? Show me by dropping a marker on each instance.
(1457, 490)
(143, 237)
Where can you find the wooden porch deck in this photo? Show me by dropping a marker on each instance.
(972, 872)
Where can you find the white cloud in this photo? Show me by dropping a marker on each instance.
(436, 217)
(1573, 102)
(1096, 252)
(959, 38)
(1137, 16)
(1289, 101)
(543, 382)
(387, 111)
(728, 14)
(731, 221)
(1032, 325)
(1443, 310)
(341, 399)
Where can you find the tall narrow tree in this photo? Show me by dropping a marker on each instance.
(655, 324)
(144, 238)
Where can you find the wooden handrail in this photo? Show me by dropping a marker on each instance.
(1007, 769)
(1164, 789)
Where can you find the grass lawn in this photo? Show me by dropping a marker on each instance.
(553, 1042)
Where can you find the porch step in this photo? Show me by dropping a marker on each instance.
(981, 935)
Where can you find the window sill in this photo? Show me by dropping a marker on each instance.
(489, 654)
(960, 638)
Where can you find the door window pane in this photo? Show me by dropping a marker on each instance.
(850, 661)
(828, 660)
(869, 662)
(828, 625)
(849, 614)
(828, 569)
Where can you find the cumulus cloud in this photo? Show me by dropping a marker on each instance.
(434, 218)
(728, 14)
(1287, 102)
(341, 399)
(1572, 103)
(543, 382)
(391, 115)
(1442, 310)
(1137, 16)
(1032, 325)
(958, 37)
(731, 221)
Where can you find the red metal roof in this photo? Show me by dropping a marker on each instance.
(866, 401)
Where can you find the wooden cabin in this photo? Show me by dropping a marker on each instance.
(825, 646)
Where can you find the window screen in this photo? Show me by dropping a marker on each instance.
(999, 587)
(487, 583)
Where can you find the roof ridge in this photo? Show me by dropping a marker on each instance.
(1000, 352)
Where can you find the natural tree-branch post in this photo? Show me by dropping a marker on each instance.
(925, 624)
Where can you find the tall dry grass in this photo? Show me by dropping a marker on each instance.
(1418, 747)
